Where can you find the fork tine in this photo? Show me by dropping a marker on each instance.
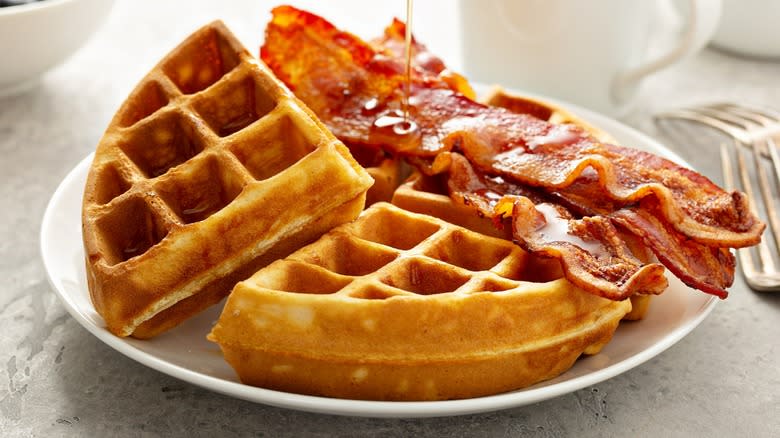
(764, 254)
(766, 194)
(771, 210)
(741, 123)
(769, 147)
(772, 146)
(745, 258)
(770, 115)
(697, 116)
(767, 120)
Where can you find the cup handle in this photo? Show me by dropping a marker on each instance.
(702, 23)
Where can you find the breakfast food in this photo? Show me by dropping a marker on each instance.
(429, 194)
(210, 170)
(539, 233)
(519, 170)
(403, 306)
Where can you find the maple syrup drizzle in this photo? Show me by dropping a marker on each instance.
(395, 125)
(556, 229)
(408, 41)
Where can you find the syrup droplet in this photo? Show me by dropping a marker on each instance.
(371, 105)
(399, 122)
(391, 128)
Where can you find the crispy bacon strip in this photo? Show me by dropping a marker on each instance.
(592, 254)
(556, 156)
(710, 269)
(705, 268)
(350, 85)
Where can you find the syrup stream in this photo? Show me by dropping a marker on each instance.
(396, 126)
(408, 41)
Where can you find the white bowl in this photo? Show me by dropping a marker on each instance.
(37, 36)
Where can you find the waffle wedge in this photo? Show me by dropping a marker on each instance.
(403, 306)
(210, 170)
(428, 195)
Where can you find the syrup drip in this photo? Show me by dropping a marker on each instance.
(556, 229)
(398, 121)
(391, 128)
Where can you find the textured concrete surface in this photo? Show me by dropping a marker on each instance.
(58, 380)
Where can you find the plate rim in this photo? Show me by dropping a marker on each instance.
(370, 408)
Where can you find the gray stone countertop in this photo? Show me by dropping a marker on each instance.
(56, 379)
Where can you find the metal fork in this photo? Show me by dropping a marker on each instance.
(756, 129)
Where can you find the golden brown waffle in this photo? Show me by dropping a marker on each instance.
(403, 306)
(429, 195)
(210, 170)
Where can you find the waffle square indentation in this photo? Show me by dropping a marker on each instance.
(377, 292)
(109, 184)
(299, 277)
(161, 144)
(468, 251)
(273, 146)
(232, 106)
(129, 230)
(424, 277)
(200, 190)
(347, 256)
(494, 285)
(200, 63)
(145, 102)
(393, 229)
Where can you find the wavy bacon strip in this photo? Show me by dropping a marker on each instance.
(710, 269)
(555, 157)
(705, 268)
(349, 85)
(592, 254)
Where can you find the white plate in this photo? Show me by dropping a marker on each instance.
(185, 353)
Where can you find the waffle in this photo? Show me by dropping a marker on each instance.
(429, 195)
(210, 170)
(388, 172)
(403, 306)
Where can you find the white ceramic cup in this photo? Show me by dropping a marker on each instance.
(750, 27)
(593, 53)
